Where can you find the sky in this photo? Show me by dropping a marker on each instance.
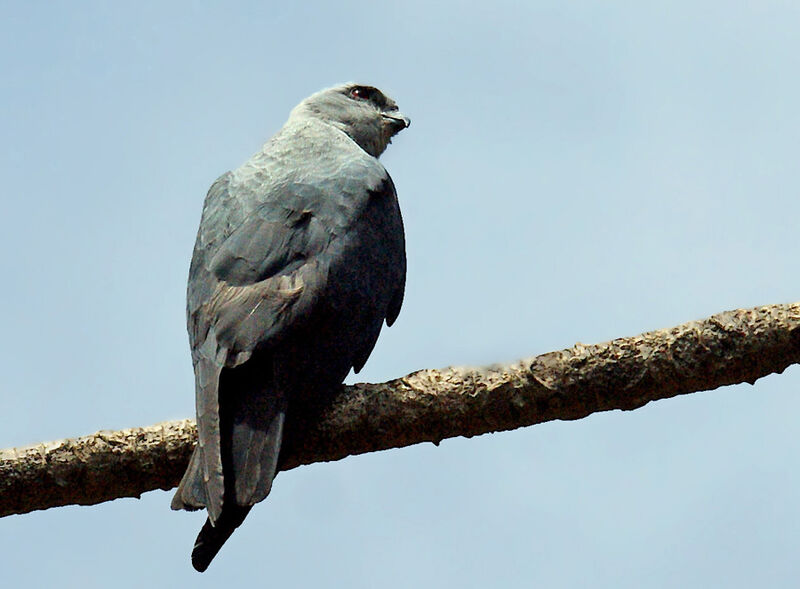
(575, 172)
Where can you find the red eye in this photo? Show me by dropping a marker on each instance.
(360, 93)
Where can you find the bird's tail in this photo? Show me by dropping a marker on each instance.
(213, 536)
(251, 421)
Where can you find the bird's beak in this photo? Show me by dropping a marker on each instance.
(396, 121)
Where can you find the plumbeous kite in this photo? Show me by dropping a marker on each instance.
(299, 259)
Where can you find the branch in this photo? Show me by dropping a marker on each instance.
(429, 406)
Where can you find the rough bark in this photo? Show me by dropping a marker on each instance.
(429, 406)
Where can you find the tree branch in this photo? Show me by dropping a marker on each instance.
(429, 406)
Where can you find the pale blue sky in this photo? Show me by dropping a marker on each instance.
(575, 171)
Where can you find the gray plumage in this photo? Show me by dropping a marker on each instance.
(299, 259)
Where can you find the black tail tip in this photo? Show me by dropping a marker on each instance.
(201, 558)
(212, 537)
(208, 544)
(200, 562)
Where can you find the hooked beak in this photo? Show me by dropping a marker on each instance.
(395, 121)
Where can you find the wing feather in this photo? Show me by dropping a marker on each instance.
(266, 260)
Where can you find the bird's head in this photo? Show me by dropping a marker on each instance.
(365, 113)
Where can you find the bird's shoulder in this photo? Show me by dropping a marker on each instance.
(308, 166)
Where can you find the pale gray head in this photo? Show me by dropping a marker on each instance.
(365, 113)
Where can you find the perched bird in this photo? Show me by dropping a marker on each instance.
(299, 259)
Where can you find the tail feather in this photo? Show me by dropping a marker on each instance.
(191, 493)
(251, 417)
(213, 536)
(255, 447)
(252, 414)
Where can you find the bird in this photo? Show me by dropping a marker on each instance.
(299, 260)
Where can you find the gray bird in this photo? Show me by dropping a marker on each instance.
(299, 259)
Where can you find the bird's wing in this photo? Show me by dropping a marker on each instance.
(374, 259)
(272, 270)
(252, 282)
(252, 276)
(397, 253)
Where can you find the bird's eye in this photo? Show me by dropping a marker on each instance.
(361, 93)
